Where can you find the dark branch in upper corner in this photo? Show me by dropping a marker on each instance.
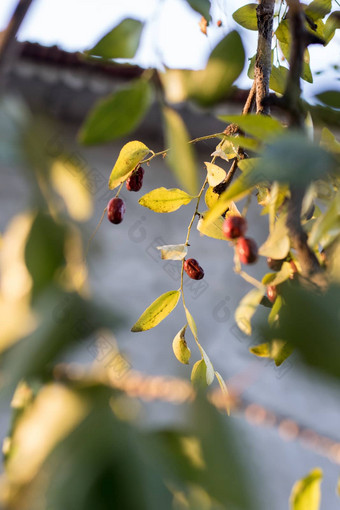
(7, 38)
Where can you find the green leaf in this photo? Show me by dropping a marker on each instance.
(173, 251)
(210, 372)
(224, 390)
(260, 126)
(246, 16)
(274, 312)
(44, 251)
(247, 307)
(199, 374)
(326, 222)
(131, 154)
(181, 156)
(202, 7)
(332, 23)
(157, 311)
(277, 350)
(216, 174)
(278, 244)
(278, 79)
(180, 347)
(310, 322)
(213, 229)
(329, 142)
(116, 115)
(318, 9)
(284, 37)
(163, 200)
(121, 42)
(239, 141)
(306, 493)
(279, 277)
(224, 66)
(330, 98)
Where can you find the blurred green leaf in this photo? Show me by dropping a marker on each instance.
(306, 493)
(283, 34)
(224, 66)
(330, 98)
(329, 142)
(318, 9)
(247, 307)
(332, 23)
(260, 126)
(181, 156)
(224, 390)
(129, 157)
(116, 115)
(163, 200)
(44, 252)
(310, 322)
(157, 311)
(246, 16)
(277, 350)
(121, 42)
(202, 7)
(278, 244)
(278, 79)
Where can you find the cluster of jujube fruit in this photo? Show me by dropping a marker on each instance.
(234, 227)
(116, 206)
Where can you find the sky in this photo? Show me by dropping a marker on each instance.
(171, 35)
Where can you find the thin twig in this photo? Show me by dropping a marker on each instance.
(7, 39)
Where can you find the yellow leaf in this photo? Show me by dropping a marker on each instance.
(210, 197)
(306, 494)
(163, 200)
(247, 308)
(278, 244)
(157, 311)
(216, 174)
(212, 229)
(224, 390)
(180, 347)
(131, 154)
(198, 374)
(181, 156)
(69, 183)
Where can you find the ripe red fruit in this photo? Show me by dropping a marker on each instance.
(275, 264)
(272, 293)
(135, 181)
(115, 210)
(193, 269)
(246, 249)
(234, 227)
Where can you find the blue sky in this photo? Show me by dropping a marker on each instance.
(171, 35)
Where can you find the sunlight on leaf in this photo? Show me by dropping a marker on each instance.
(180, 347)
(181, 156)
(247, 307)
(121, 42)
(163, 200)
(130, 155)
(246, 16)
(216, 174)
(70, 183)
(224, 390)
(173, 251)
(157, 311)
(277, 245)
(306, 493)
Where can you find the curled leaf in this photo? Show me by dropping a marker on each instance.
(131, 154)
(180, 347)
(173, 251)
(199, 374)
